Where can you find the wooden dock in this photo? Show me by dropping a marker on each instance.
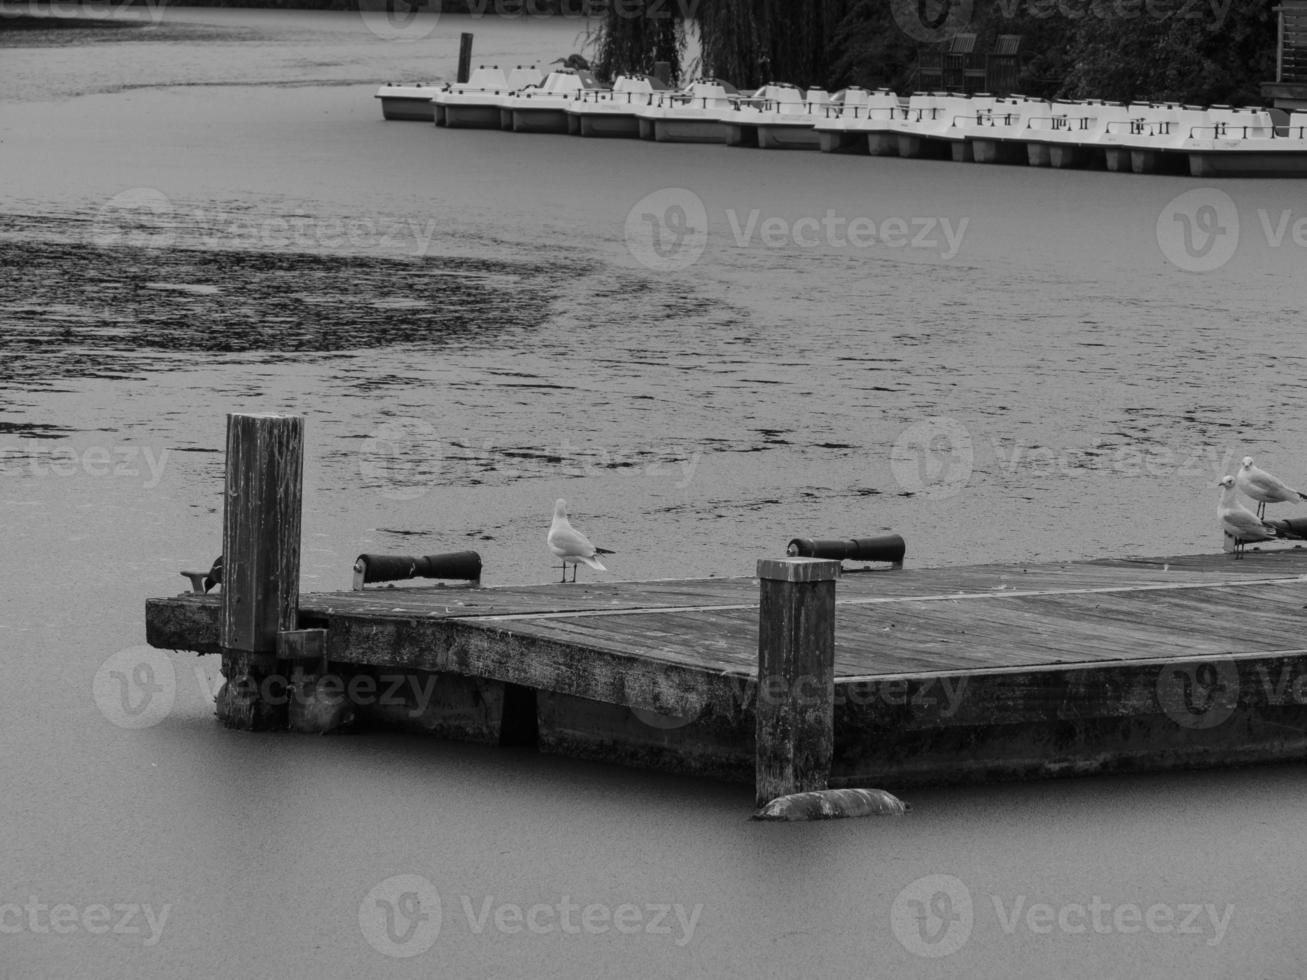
(805, 677)
(945, 674)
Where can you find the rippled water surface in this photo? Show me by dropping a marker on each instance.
(208, 214)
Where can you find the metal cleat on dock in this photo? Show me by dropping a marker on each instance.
(884, 548)
(465, 565)
(202, 582)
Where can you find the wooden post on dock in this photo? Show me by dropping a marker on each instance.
(796, 676)
(261, 565)
(464, 57)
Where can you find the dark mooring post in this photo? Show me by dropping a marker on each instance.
(261, 564)
(796, 676)
(464, 57)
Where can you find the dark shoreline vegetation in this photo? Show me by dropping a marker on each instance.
(1191, 51)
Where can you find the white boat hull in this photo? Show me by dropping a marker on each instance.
(407, 108)
(688, 130)
(999, 151)
(470, 116)
(840, 141)
(884, 144)
(540, 120)
(1248, 163)
(912, 146)
(772, 137)
(741, 134)
(1117, 158)
(613, 124)
(1066, 155)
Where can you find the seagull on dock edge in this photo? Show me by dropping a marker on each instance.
(1263, 487)
(570, 545)
(1238, 521)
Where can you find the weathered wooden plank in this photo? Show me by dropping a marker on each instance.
(302, 645)
(597, 672)
(717, 741)
(449, 706)
(183, 622)
(721, 633)
(911, 634)
(1023, 695)
(1064, 721)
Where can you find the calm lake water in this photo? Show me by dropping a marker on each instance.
(707, 351)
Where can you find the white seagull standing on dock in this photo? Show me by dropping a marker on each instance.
(1238, 521)
(1263, 487)
(569, 544)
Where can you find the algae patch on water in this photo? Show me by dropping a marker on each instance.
(69, 310)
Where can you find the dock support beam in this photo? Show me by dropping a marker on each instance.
(796, 676)
(261, 565)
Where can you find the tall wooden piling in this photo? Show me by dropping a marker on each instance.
(796, 676)
(261, 564)
(464, 57)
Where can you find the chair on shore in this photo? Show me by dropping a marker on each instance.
(939, 64)
(1002, 65)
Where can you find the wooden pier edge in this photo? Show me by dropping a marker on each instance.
(990, 672)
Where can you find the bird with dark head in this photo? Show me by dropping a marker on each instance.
(573, 61)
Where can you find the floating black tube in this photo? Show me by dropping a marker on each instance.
(391, 568)
(886, 547)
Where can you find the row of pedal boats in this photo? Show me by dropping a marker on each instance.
(1150, 137)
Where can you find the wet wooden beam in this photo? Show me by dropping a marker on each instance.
(794, 710)
(262, 502)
